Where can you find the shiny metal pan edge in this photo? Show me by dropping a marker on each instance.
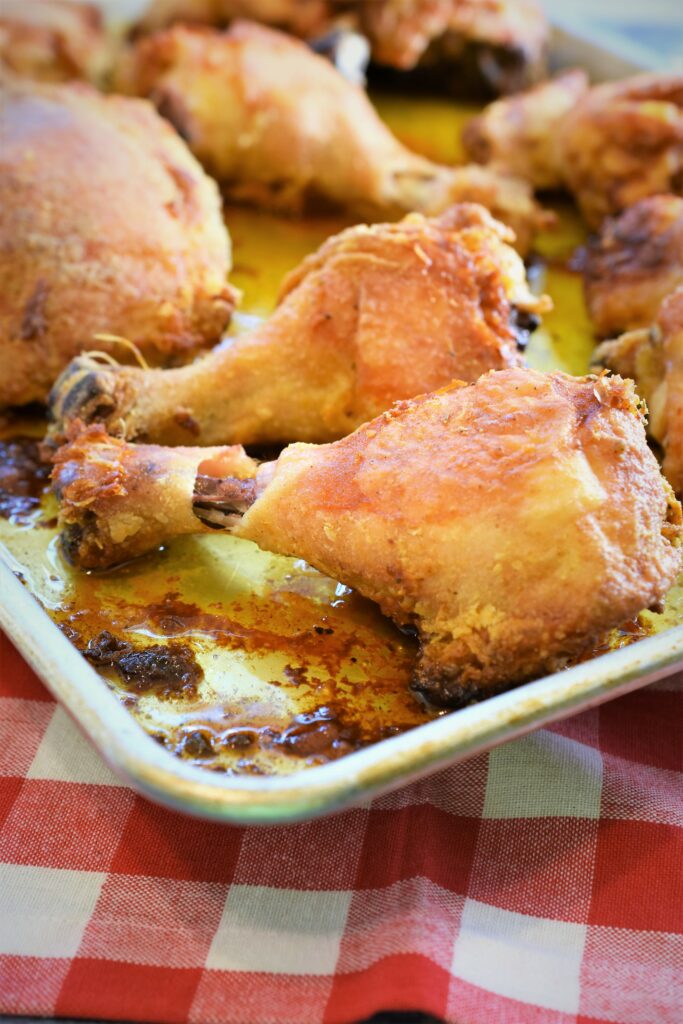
(354, 779)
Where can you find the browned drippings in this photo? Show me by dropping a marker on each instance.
(23, 478)
(168, 670)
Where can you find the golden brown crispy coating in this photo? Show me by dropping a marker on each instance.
(623, 142)
(377, 314)
(118, 501)
(53, 40)
(281, 128)
(511, 522)
(633, 264)
(506, 39)
(654, 359)
(107, 224)
(519, 134)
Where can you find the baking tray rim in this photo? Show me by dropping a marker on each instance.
(388, 764)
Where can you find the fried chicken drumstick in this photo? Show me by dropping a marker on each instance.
(378, 314)
(611, 145)
(510, 522)
(622, 142)
(519, 134)
(107, 225)
(316, 142)
(635, 261)
(654, 359)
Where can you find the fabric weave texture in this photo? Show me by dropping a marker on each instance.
(537, 884)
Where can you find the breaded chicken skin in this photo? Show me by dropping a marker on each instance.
(510, 522)
(520, 133)
(53, 40)
(376, 315)
(107, 225)
(633, 264)
(623, 142)
(654, 359)
(279, 127)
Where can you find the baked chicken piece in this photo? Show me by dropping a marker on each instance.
(279, 127)
(377, 314)
(654, 359)
(498, 44)
(622, 142)
(519, 134)
(107, 225)
(510, 522)
(53, 40)
(634, 262)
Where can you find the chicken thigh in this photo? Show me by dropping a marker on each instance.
(510, 522)
(377, 314)
(108, 225)
(281, 128)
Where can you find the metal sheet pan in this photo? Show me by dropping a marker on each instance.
(387, 765)
(355, 778)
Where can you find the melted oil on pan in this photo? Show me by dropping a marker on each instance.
(243, 662)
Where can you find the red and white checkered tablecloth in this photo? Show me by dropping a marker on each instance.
(540, 884)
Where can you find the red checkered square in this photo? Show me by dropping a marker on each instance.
(460, 790)
(468, 1004)
(584, 728)
(413, 916)
(406, 982)
(169, 845)
(22, 726)
(644, 726)
(639, 792)
(122, 991)
(9, 791)
(300, 856)
(177, 933)
(637, 878)
(632, 977)
(395, 848)
(537, 866)
(31, 984)
(65, 825)
(16, 678)
(246, 998)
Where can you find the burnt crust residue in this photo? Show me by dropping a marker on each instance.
(167, 670)
(34, 321)
(23, 478)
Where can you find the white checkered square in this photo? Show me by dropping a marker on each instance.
(531, 959)
(44, 911)
(544, 775)
(280, 931)
(65, 755)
